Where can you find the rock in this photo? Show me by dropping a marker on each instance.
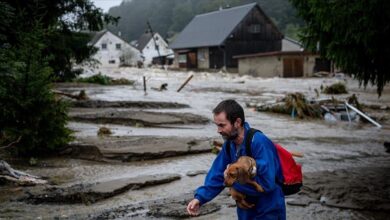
(196, 172)
(175, 209)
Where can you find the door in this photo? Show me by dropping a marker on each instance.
(292, 67)
(191, 60)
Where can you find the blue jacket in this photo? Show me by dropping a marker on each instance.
(269, 204)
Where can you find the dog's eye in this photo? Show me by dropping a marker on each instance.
(232, 175)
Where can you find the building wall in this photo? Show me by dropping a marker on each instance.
(150, 51)
(110, 55)
(260, 66)
(272, 66)
(203, 58)
(308, 65)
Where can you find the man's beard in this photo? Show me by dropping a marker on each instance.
(232, 136)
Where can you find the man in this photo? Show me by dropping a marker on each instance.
(230, 120)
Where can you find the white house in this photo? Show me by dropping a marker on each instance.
(153, 48)
(113, 51)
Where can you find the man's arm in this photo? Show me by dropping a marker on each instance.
(213, 183)
(264, 152)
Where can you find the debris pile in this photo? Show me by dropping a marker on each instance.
(330, 109)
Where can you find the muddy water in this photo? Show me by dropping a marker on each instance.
(326, 146)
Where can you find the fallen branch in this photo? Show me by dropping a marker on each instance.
(80, 96)
(12, 143)
(185, 83)
(18, 177)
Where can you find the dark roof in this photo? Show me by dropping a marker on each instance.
(97, 36)
(211, 29)
(143, 40)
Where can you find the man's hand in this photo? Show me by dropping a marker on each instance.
(193, 207)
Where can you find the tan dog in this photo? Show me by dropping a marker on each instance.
(243, 171)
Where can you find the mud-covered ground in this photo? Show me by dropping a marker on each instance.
(159, 151)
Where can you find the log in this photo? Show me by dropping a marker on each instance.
(80, 96)
(185, 83)
(18, 177)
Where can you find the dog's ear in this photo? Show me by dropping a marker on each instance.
(241, 175)
(233, 173)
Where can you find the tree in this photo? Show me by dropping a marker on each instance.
(354, 34)
(66, 19)
(40, 40)
(30, 116)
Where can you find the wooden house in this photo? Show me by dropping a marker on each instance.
(211, 40)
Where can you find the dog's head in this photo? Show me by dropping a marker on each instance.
(231, 174)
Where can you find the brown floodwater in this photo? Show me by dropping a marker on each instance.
(326, 146)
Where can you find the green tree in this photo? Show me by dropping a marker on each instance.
(353, 33)
(40, 40)
(30, 115)
(67, 19)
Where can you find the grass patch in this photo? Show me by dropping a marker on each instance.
(104, 80)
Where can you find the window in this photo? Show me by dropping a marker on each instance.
(182, 58)
(104, 46)
(254, 28)
(118, 46)
(111, 61)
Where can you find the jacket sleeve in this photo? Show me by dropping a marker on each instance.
(264, 152)
(213, 183)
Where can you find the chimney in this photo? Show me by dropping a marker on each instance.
(119, 33)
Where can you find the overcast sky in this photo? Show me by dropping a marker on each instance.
(106, 4)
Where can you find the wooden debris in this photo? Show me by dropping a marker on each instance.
(81, 96)
(104, 131)
(185, 83)
(17, 177)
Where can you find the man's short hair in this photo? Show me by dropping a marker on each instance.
(232, 109)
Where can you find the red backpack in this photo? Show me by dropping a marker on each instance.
(291, 171)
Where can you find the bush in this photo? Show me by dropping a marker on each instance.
(336, 88)
(104, 80)
(96, 79)
(29, 111)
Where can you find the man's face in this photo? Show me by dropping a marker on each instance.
(224, 127)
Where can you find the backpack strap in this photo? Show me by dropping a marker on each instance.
(248, 141)
(228, 148)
